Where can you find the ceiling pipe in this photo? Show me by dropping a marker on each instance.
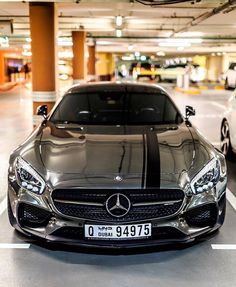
(162, 2)
(206, 16)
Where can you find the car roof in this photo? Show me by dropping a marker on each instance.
(115, 86)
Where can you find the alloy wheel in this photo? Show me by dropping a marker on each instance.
(225, 139)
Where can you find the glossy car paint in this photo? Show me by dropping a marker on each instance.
(230, 117)
(92, 156)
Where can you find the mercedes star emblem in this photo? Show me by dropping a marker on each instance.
(118, 205)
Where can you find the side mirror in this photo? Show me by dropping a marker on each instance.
(189, 111)
(42, 111)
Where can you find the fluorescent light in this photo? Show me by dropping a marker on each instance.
(118, 33)
(103, 43)
(195, 40)
(128, 58)
(161, 54)
(119, 21)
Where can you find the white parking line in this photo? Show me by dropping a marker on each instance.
(14, 246)
(231, 198)
(223, 246)
(232, 201)
(3, 205)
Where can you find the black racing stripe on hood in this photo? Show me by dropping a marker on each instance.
(153, 169)
(144, 162)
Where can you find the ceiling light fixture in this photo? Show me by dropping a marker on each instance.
(118, 33)
(161, 54)
(119, 21)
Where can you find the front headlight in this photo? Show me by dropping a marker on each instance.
(28, 178)
(207, 178)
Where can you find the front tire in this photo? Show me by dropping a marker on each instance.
(225, 143)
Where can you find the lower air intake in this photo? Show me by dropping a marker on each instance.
(203, 216)
(31, 216)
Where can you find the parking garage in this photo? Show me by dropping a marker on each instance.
(188, 49)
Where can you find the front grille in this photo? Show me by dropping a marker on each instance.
(158, 233)
(203, 216)
(141, 212)
(32, 216)
(135, 195)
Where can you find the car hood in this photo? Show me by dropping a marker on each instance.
(130, 156)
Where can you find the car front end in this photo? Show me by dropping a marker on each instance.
(117, 185)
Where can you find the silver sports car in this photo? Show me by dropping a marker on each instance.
(116, 165)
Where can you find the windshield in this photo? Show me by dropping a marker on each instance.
(119, 108)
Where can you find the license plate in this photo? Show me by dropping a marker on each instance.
(134, 231)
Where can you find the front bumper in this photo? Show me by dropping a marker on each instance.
(67, 230)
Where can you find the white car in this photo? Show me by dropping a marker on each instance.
(171, 72)
(228, 129)
(230, 77)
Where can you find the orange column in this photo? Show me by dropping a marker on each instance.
(91, 63)
(79, 68)
(43, 26)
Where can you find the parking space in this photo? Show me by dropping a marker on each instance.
(115, 164)
(25, 262)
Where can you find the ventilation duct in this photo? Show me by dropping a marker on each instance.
(164, 2)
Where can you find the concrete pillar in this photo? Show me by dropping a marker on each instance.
(78, 62)
(43, 27)
(91, 63)
(105, 66)
(214, 68)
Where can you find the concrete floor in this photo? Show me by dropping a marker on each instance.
(35, 265)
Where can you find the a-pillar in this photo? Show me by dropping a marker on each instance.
(43, 29)
(78, 63)
(91, 77)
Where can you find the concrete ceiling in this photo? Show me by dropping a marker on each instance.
(144, 27)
